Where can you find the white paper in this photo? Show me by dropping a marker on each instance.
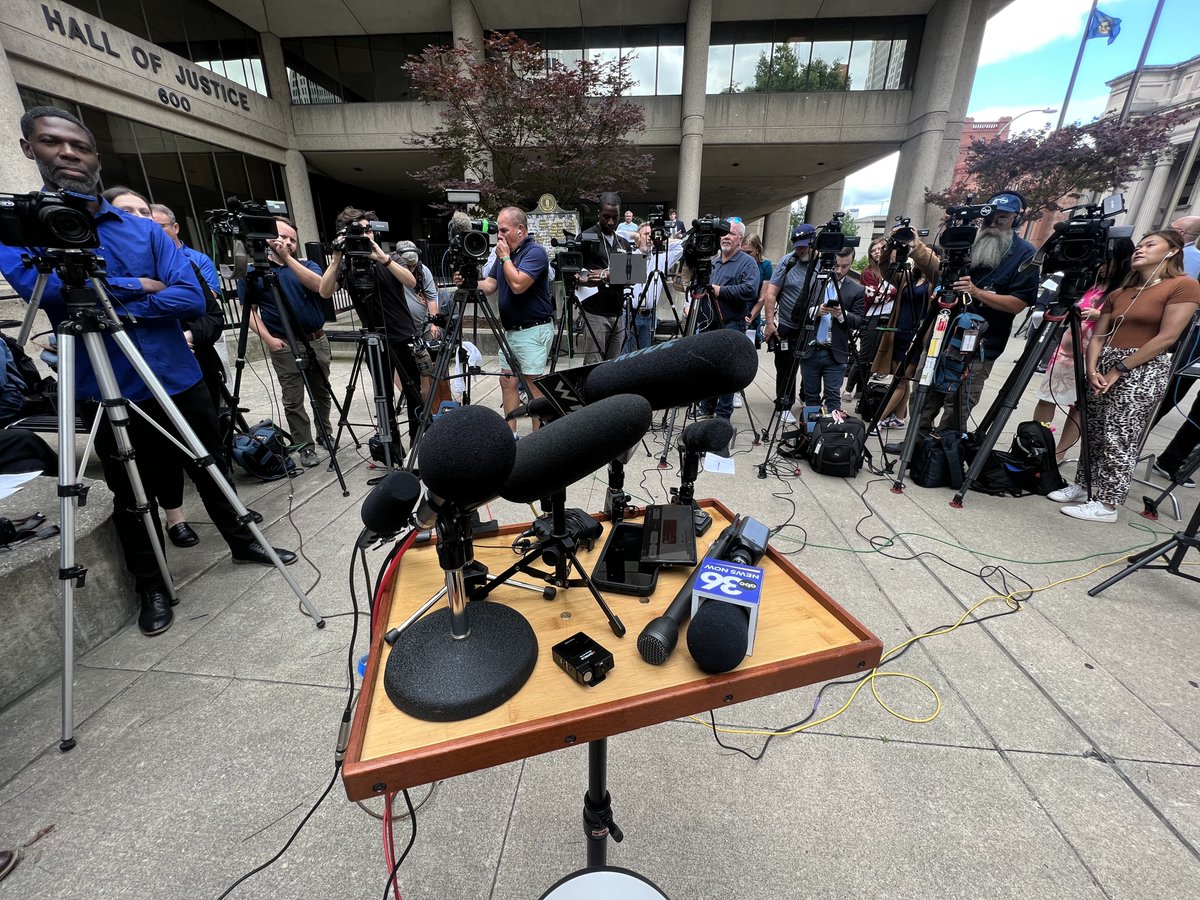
(10, 484)
(722, 465)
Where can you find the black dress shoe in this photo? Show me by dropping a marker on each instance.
(182, 535)
(156, 616)
(255, 515)
(257, 555)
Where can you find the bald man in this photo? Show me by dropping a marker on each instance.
(1189, 227)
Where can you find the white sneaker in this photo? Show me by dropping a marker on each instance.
(1069, 494)
(1092, 511)
(787, 418)
(737, 401)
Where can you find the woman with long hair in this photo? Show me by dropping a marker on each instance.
(1058, 387)
(1128, 365)
(879, 301)
(753, 245)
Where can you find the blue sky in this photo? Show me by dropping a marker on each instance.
(1028, 51)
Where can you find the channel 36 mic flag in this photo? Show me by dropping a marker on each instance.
(676, 373)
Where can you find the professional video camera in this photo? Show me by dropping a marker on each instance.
(903, 234)
(701, 244)
(244, 226)
(1082, 242)
(58, 220)
(570, 259)
(470, 240)
(658, 228)
(831, 241)
(959, 234)
(353, 240)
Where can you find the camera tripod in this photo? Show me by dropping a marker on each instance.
(572, 308)
(1177, 545)
(88, 316)
(372, 350)
(266, 274)
(659, 276)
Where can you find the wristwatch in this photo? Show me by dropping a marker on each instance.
(1121, 367)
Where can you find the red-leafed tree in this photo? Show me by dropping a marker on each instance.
(1053, 170)
(515, 125)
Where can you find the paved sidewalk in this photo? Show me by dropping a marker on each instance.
(1064, 761)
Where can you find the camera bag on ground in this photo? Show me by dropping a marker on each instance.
(836, 448)
(872, 397)
(938, 460)
(39, 393)
(1033, 448)
(262, 451)
(794, 444)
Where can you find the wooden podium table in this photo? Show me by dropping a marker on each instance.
(803, 637)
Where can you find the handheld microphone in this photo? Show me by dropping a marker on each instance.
(465, 458)
(387, 509)
(680, 372)
(717, 636)
(570, 448)
(657, 641)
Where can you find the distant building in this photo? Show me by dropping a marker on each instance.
(870, 228)
(976, 131)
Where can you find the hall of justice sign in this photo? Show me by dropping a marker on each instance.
(94, 35)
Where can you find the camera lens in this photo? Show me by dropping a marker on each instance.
(72, 227)
(475, 243)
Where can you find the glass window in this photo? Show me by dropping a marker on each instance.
(643, 65)
(354, 69)
(388, 57)
(125, 14)
(166, 28)
(752, 67)
(720, 68)
(263, 184)
(321, 63)
(670, 70)
(828, 69)
(232, 173)
(118, 151)
(569, 58)
(896, 69)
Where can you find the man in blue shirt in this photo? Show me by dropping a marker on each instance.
(521, 276)
(734, 287)
(299, 283)
(153, 286)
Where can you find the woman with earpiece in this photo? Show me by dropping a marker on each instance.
(1128, 365)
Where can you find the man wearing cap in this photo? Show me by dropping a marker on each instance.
(422, 306)
(383, 309)
(778, 300)
(997, 289)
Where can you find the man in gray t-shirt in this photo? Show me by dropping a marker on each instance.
(422, 299)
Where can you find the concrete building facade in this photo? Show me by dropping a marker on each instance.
(307, 100)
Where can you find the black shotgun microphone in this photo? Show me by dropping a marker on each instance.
(657, 641)
(574, 446)
(707, 436)
(466, 456)
(680, 372)
(387, 509)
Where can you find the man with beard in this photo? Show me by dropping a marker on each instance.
(777, 302)
(153, 285)
(998, 290)
(733, 287)
(603, 303)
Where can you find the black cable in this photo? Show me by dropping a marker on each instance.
(412, 839)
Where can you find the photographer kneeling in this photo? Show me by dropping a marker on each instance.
(376, 283)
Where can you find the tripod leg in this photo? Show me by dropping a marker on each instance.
(69, 574)
(343, 410)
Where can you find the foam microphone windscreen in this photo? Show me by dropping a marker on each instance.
(574, 446)
(707, 435)
(718, 635)
(467, 454)
(391, 502)
(678, 372)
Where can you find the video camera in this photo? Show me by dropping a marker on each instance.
(353, 240)
(58, 220)
(658, 228)
(1080, 245)
(959, 234)
(703, 240)
(569, 260)
(244, 225)
(898, 241)
(471, 242)
(831, 241)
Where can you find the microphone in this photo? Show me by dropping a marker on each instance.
(387, 508)
(679, 372)
(465, 457)
(460, 223)
(717, 636)
(568, 449)
(657, 641)
(707, 436)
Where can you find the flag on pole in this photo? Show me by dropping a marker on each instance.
(1103, 25)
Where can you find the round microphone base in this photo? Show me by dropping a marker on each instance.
(431, 676)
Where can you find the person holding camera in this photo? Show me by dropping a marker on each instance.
(661, 256)
(777, 302)
(423, 306)
(997, 289)
(733, 287)
(603, 303)
(521, 277)
(299, 283)
(153, 284)
(381, 302)
(823, 359)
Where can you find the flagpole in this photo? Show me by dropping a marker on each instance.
(1137, 73)
(1087, 24)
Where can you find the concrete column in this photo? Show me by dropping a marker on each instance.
(275, 69)
(1148, 216)
(777, 235)
(465, 25)
(949, 55)
(961, 97)
(1134, 191)
(824, 203)
(300, 202)
(17, 173)
(691, 124)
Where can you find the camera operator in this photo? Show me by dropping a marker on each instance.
(734, 285)
(998, 291)
(640, 331)
(152, 283)
(777, 302)
(603, 304)
(299, 283)
(823, 361)
(422, 306)
(521, 277)
(382, 305)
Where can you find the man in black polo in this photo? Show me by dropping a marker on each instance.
(299, 282)
(603, 304)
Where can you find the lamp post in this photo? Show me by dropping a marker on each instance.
(1007, 125)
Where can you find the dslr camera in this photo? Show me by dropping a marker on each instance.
(59, 220)
(658, 228)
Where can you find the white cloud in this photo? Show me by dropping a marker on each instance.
(1083, 110)
(870, 186)
(1027, 25)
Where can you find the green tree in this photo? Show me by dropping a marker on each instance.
(782, 72)
(850, 227)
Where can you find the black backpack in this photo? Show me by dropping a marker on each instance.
(872, 397)
(262, 451)
(41, 393)
(938, 460)
(837, 448)
(1033, 450)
